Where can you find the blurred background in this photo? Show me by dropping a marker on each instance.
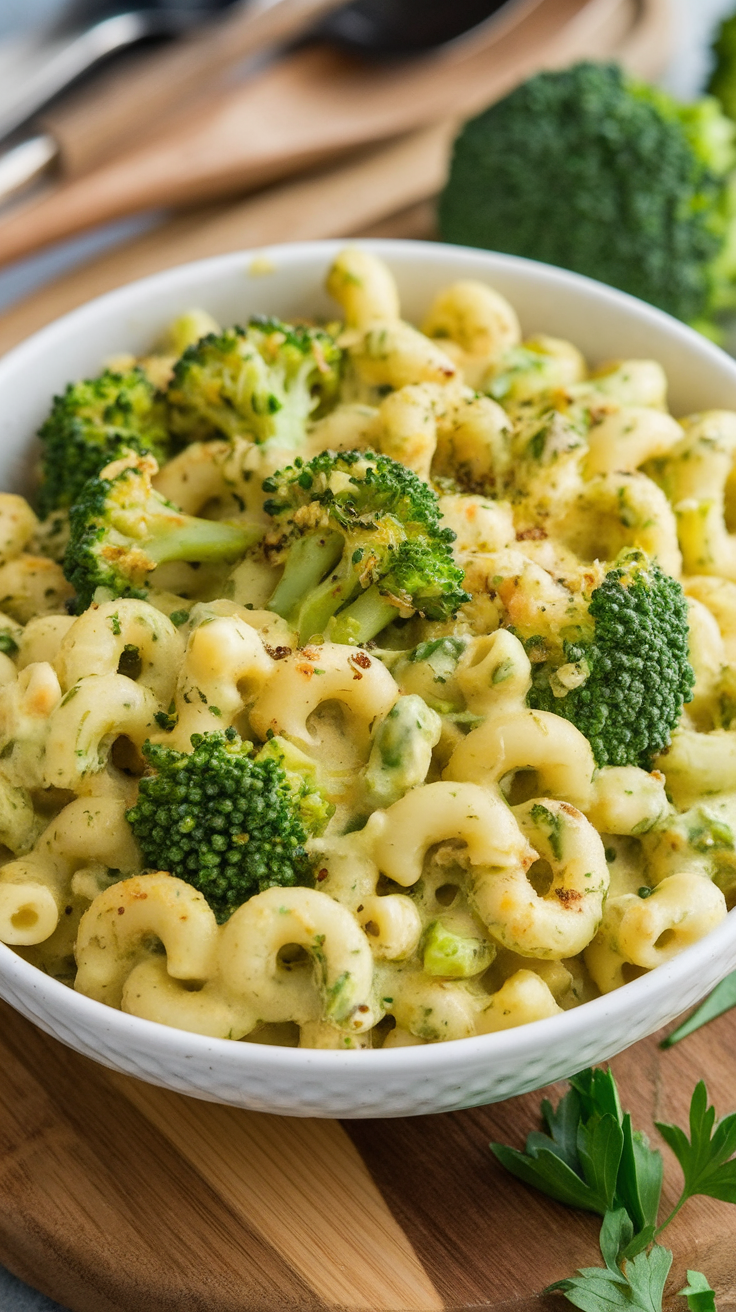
(345, 102)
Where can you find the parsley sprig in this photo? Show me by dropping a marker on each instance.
(722, 999)
(707, 1157)
(638, 1284)
(591, 1157)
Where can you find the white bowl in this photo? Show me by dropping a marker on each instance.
(288, 281)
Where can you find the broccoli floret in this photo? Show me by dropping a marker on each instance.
(225, 821)
(593, 171)
(264, 381)
(93, 423)
(402, 750)
(303, 778)
(121, 529)
(722, 82)
(624, 678)
(363, 543)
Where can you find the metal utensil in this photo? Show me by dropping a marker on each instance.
(319, 103)
(134, 98)
(87, 35)
(396, 27)
(389, 28)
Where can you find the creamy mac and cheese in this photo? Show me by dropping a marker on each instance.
(521, 793)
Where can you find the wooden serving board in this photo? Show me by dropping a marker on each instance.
(119, 1197)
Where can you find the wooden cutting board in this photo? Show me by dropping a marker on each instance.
(119, 1197)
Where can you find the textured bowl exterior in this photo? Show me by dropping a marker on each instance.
(402, 1081)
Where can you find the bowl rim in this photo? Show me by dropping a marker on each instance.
(519, 1042)
(412, 251)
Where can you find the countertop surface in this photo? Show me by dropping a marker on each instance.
(694, 27)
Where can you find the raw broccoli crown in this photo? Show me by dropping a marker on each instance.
(121, 528)
(363, 540)
(636, 661)
(92, 423)
(225, 821)
(265, 381)
(722, 82)
(589, 170)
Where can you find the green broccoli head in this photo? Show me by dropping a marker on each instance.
(121, 529)
(265, 381)
(590, 170)
(362, 541)
(624, 677)
(93, 423)
(225, 821)
(722, 82)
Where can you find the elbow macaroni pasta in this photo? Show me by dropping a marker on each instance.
(503, 877)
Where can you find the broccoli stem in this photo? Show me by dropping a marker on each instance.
(363, 618)
(184, 538)
(321, 603)
(309, 559)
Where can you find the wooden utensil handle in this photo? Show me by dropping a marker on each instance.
(351, 197)
(310, 107)
(129, 101)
